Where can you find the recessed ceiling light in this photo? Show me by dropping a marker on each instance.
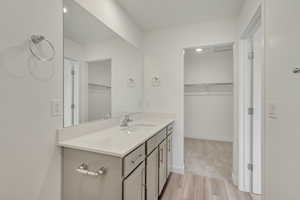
(65, 10)
(199, 50)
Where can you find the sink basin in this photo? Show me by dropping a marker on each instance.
(144, 125)
(137, 127)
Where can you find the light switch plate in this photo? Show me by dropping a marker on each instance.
(272, 110)
(56, 108)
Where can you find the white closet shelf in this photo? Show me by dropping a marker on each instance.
(208, 89)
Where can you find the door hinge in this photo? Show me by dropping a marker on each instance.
(250, 167)
(250, 111)
(73, 106)
(251, 55)
(73, 72)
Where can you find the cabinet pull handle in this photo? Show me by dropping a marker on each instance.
(161, 155)
(83, 169)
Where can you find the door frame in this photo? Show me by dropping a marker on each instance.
(245, 139)
(75, 90)
(181, 123)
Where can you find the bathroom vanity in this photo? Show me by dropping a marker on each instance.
(118, 163)
(104, 159)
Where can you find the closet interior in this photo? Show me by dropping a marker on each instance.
(208, 105)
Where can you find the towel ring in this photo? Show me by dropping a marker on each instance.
(296, 71)
(37, 39)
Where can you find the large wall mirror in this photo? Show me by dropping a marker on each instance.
(102, 72)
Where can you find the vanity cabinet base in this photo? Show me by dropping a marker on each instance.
(78, 186)
(141, 174)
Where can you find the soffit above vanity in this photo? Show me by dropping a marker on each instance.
(157, 14)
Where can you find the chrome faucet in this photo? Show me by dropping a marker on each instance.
(125, 120)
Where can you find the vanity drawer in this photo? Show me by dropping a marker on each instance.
(132, 160)
(170, 129)
(153, 142)
(162, 135)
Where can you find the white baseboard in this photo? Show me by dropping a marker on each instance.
(178, 169)
(256, 196)
(234, 179)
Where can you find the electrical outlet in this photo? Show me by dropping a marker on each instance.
(272, 110)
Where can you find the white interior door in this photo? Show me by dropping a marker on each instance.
(257, 122)
(282, 140)
(71, 93)
(76, 70)
(68, 93)
(246, 117)
(254, 113)
(251, 98)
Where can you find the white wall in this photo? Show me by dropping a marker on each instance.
(114, 17)
(126, 62)
(30, 159)
(282, 47)
(209, 117)
(73, 50)
(164, 58)
(208, 67)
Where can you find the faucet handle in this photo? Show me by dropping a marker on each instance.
(127, 117)
(125, 120)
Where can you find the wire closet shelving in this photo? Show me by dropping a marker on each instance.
(208, 89)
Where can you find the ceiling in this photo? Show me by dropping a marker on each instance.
(154, 14)
(82, 27)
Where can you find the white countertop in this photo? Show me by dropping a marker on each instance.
(117, 141)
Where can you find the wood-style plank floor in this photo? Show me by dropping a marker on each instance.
(194, 187)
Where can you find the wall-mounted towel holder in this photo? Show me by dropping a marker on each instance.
(34, 41)
(296, 70)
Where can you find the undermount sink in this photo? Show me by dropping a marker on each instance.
(144, 125)
(137, 127)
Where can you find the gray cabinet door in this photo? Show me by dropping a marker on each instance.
(170, 156)
(78, 186)
(152, 175)
(162, 165)
(134, 184)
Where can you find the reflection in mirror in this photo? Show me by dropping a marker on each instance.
(99, 90)
(102, 72)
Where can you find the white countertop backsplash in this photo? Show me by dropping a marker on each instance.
(107, 137)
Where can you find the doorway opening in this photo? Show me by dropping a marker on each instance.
(87, 91)
(99, 89)
(208, 110)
